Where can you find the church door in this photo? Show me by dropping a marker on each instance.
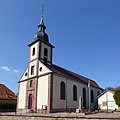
(30, 102)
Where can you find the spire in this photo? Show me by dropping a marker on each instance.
(41, 33)
(41, 26)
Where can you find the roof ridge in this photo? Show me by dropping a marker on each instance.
(76, 73)
(67, 73)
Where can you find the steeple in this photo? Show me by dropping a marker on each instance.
(41, 26)
(41, 34)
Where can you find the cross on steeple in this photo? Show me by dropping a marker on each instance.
(42, 8)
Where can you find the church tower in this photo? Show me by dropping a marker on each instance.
(40, 50)
(40, 54)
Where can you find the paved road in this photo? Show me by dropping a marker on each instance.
(104, 115)
(73, 115)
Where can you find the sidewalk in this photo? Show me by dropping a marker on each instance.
(104, 115)
(115, 115)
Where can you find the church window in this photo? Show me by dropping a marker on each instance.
(84, 97)
(32, 70)
(31, 83)
(46, 52)
(74, 93)
(45, 55)
(40, 69)
(62, 91)
(45, 60)
(92, 96)
(33, 52)
(26, 74)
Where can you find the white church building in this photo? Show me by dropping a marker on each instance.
(45, 85)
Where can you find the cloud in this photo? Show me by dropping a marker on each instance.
(5, 68)
(15, 71)
(8, 69)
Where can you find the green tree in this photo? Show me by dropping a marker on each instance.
(117, 96)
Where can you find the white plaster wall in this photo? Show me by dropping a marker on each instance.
(42, 92)
(23, 76)
(69, 103)
(22, 95)
(44, 69)
(42, 51)
(57, 103)
(107, 96)
(36, 46)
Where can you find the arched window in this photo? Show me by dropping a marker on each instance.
(74, 93)
(26, 74)
(62, 91)
(45, 55)
(92, 96)
(33, 52)
(31, 82)
(98, 93)
(84, 97)
(32, 70)
(46, 52)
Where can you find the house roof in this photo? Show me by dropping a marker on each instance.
(6, 91)
(106, 90)
(71, 75)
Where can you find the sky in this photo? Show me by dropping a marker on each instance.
(85, 33)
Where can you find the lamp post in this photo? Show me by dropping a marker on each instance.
(107, 101)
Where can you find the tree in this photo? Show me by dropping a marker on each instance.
(117, 96)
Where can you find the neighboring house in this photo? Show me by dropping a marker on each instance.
(47, 86)
(6, 93)
(106, 100)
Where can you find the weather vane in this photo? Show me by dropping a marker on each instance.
(42, 8)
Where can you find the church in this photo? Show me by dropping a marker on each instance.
(46, 86)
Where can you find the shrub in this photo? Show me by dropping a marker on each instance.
(7, 104)
(117, 96)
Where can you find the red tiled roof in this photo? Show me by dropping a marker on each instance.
(6, 93)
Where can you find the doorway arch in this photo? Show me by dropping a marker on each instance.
(30, 101)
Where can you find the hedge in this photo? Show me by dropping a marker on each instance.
(8, 104)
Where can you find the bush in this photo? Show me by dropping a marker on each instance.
(117, 96)
(7, 104)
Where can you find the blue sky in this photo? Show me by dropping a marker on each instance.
(85, 33)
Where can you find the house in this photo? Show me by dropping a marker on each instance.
(6, 93)
(106, 100)
(46, 86)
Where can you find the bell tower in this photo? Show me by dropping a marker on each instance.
(40, 51)
(40, 48)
